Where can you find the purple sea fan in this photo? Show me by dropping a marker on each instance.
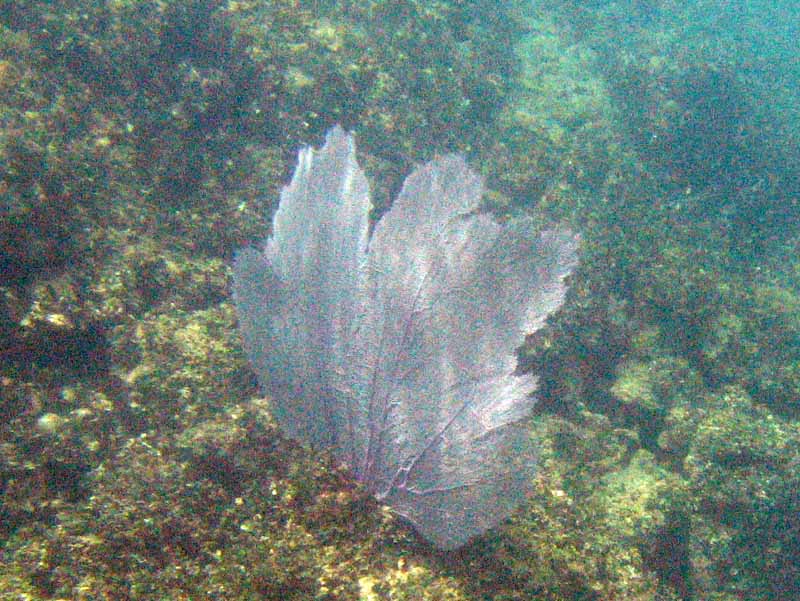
(396, 351)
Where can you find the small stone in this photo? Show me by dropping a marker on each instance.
(49, 423)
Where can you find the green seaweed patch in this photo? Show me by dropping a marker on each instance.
(229, 509)
(567, 541)
(742, 469)
(173, 355)
(648, 390)
(754, 342)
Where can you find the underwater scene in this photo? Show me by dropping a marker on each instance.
(399, 300)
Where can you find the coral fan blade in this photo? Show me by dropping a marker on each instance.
(400, 356)
(452, 295)
(295, 299)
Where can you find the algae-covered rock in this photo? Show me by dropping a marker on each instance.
(229, 509)
(742, 470)
(648, 391)
(755, 343)
(182, 364)
(577, 537)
